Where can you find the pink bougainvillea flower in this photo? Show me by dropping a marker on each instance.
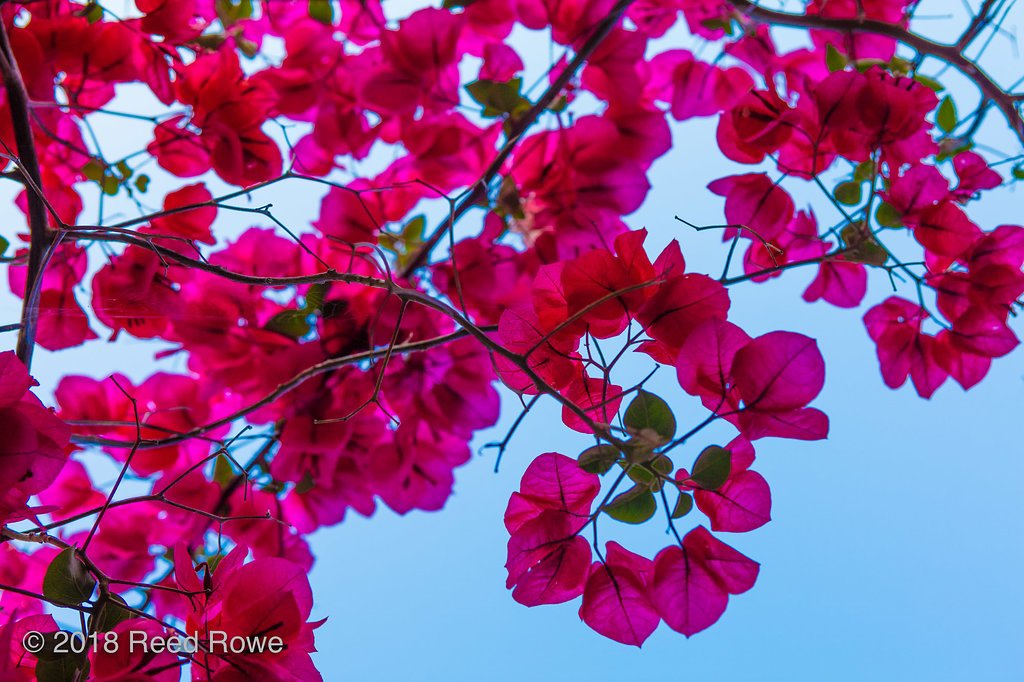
(34, 447)
(903, 350)
(256, 600)
(548, 562)
(616, 601)
(691, 584)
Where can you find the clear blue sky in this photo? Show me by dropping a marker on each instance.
(894, 552)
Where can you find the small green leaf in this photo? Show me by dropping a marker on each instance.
(305, 484)
(499, 99)
(711, 470)
(863, 65)
(946, 117)
(94, 170)
(1018, 172)
(293, 323)
(92, 12)
(951, 146)
(861, 248)
(849, 193)
(247, 47)
(641, 475)
(864, 171)
(452, 4)
(315, 298)
(636, 505)
(142, 182)
(3, 245)
(232, 11)
(598, 459)
(63, 668)
(886, 215)
(834, 59)
(662, 464)
(124, 169)
(110, 185)
(322, 11)
(898, 66)
(211, 41)
(67, 581)
(223, 471)
(649, 413)
(559, 105)
(109, 613)
(683, 506)
(929, 82)
(719, 25)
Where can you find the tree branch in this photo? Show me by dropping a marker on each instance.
(515, 135)
(41, 237)
(951, 54)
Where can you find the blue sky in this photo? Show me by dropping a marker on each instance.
(894, 551)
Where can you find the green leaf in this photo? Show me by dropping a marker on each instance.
(247, 47)
(124, 169)
(499, 99)
(233, 11)
(211, 41)
(641, 475)
(67, 581)
(662, 464)
(886, 215)
(559, 105)
(636, 505)
(861, 248)
(849, 193)
(929, 82)
(94, 170)
(293, 323)
(834, 59)
(649, 414)
(864, 171)
(92, 12)
(898, 66)
(863, 65)
(223, 471)
(452, 4)
(3, 245)
(322, 11)
(109, 613)
(63, 668)
(315, 298)
(405, 243)
(1018, 172)
(110, 185)
(142, 182)
(946, 117)
(305, 484)
(711, 470)
(598, 459)
(683, 506)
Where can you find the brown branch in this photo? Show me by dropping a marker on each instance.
(951, 54)
(41, 236)
(291, 384)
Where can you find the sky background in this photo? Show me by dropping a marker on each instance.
(895, 549)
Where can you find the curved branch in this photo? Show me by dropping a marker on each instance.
(41, 237)
(951, 54)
